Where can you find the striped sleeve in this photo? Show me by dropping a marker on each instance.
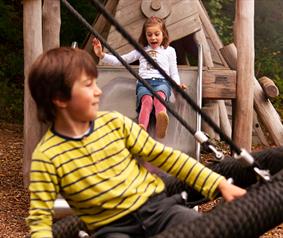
(171, 161)
(43, 190)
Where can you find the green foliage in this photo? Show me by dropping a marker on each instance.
(71, 28)
(11, 51)
(11, 61)
(11, 102)
(221, 22)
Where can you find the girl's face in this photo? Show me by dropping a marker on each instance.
(154, 36)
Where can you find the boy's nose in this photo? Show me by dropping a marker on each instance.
(97, 91)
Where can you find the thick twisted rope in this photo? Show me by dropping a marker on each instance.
(260, 210)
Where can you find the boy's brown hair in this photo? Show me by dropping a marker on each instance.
(52, 76)
(151, 22)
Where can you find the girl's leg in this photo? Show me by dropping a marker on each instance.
(162, 118)
(146, 108)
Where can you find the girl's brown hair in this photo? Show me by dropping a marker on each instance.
(151, 22)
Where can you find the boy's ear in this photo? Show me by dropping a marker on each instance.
(60, 103)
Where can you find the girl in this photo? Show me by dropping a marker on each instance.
(155, 39)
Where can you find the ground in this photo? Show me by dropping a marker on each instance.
(13, 195)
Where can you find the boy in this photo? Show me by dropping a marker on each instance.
(89, 158)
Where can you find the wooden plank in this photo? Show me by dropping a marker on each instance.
(180, 23)
(219, 84)
(130, 13)
(125, 3)
(183, 27)
(176, 31)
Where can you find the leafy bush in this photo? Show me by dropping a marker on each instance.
(11, 60)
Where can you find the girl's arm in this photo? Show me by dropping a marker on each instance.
(111, 59)
(97, 48)
(173, 69)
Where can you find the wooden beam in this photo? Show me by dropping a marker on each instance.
(269, 87)
(101, 25)
(32, 32)
(245, 74)
(219, 84)
(263, 107)
(229, 52)
(268, 115)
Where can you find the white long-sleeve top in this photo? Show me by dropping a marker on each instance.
(165, 58)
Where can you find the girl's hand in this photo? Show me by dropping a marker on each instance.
(97, 48)
(183, 86)
(229, 191)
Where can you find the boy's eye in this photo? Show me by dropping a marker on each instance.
(89, 83)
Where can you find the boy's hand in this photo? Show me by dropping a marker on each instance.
(97, 48)
(229, 191)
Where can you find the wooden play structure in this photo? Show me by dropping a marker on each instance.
(228, 71)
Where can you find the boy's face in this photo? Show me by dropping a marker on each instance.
(84, 102)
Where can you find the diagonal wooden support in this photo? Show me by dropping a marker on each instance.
(263, 107)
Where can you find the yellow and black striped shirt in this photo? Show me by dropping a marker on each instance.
(99, 176)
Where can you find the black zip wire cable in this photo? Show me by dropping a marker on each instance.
(130, 39)
(128, 67)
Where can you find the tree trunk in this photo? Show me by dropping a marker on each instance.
(32, 30)
(51, 23)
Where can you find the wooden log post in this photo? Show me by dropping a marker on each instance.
(223, 118)
(51, 23)
(269, 87)
(32, 34)
(212, 110)
(229, 52)
(258, 130)
(263, 107)
(245, 73)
